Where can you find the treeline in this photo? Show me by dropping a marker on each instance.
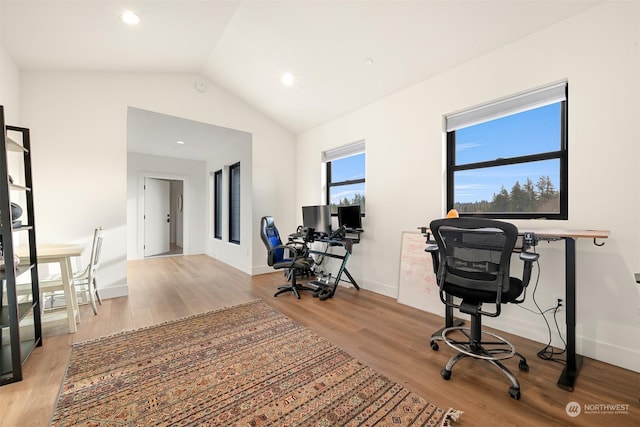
(358, 199)
(528, 197)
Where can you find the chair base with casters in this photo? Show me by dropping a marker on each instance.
(294, 287)
(486, 346)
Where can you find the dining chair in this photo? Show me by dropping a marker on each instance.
(84, 281)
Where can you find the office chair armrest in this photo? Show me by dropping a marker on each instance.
(288, 247)
(528, 258)
(434, 251)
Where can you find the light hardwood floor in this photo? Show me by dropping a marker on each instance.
(388, 336)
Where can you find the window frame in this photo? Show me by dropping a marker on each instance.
(339, 153)
(234, 218)
(217, 204)
(561, 155)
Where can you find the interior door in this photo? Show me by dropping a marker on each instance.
(157, 219)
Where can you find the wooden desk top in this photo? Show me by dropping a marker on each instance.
(557, 232)
(562, 232)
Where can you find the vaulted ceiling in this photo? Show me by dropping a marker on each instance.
(342, 54)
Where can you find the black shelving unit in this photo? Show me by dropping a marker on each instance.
(20, 318)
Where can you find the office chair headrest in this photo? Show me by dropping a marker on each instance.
(268, 222)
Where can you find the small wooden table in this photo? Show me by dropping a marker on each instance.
(61, 254)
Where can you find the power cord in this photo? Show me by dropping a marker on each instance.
(548, 352)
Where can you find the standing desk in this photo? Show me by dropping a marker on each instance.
(573, 362)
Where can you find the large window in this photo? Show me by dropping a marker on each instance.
(346, 176)
(508, 159)
(234, 203)
(217, 204)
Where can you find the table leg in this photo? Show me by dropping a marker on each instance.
(570, 372)
(69, 295)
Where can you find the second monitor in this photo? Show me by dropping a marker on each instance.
(318, 218)
(349, 217)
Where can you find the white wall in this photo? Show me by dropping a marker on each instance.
(598, 53)
(191, 172)
(237, 255)
(78, 123)
(9, 88)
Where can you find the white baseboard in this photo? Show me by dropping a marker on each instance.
(377, 287)
(114, 291)
(262, 269)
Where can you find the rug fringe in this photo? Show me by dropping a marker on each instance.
(126, 331)
(451, 415)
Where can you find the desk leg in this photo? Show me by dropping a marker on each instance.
(351, 279)
(69, 295)
(570, 372)
(343, 268)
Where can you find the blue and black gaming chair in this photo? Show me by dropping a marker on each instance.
(292, 257)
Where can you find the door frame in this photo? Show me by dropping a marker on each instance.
(186, 206)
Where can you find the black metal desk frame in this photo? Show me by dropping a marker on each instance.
(343, 266)
(573, 361)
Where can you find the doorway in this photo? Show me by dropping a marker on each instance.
(163, 219)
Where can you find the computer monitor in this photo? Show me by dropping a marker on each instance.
(349, 217)
(318, 218)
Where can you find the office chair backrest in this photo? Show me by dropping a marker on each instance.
(271, 238)
(475, 253)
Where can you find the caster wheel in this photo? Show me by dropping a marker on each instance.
(523, 366)
(514, 393)
(446, 374)
(434, 346)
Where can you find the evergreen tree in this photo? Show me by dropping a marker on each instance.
(500, 201)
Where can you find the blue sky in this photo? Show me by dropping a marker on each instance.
(345, 169)
(529, 132)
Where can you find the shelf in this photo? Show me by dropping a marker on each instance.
(23, 227)
(18, 334)
(21, 269)
(14, 146)
(23, 310)
(18, 187)
(26, 347)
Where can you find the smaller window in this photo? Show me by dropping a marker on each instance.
(346, 177)
(234, 203)
(217, 204)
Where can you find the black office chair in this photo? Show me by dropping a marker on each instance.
(292, 257)
(474, 262)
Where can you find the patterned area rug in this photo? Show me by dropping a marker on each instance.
(246, 365)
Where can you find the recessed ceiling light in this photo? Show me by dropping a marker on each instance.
(128, 17)
(287, 79)
(368, 61)
(180, 142)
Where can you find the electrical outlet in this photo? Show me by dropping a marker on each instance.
(559, 300)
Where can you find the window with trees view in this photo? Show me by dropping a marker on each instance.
(508, 159)
(346, 176)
